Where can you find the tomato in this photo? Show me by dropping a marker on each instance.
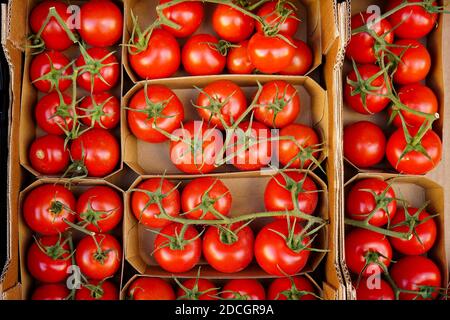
(364, 144)
(301, 62)
(373, 102)
(48, 259)
(100, 70)
(278, 104)
(411, 22)
(51, 292)
(196, 149)
(415, 62)
(197, 289)
(98, 150)
(238, 61)
(280, 16)
(48, 155)
(362, 46)
(206, 198)
(221, 99)
(274, 253)
(226, 252)
(232, 25)
(424, 231)
(419, 98)
(50, 70)
(46, 207)
(250, 146)
(290, 154)
(360, 202)
(54, 113)
(270, 54)
(159, 59)
(414, 272)
(201, 55)
(381, 290)
(278, 193)
(365, 250)
(166, 113)
(101, 110)
(99, 209)
(100, 258)
(187, 15)
(243, 289)
(146, 209)
(296, 288)
(146, 288)
(97, 290)
(414, 162)
(101, 23)
(53, 35)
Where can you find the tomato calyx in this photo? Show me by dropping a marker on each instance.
(295, 294)
(235, 296)
(95, 291)
(139, 39)
(56, 251)
(91, 216)
(222, 46)
(279, 103)
(100, 255)
(295, 241)
(283, 13)
(96, 112)
(228, 235)
(55, 75)
(194, 293)
(177, 242)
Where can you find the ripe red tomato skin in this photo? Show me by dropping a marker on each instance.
(415, 62)
(425, 231)
(42, 64)
(384, 292)
(360, 203)
(364, 144)
(203, 285)
(146, 288)
(101, 151)
(111, 109)
(238, 61)
(101, 23)
(231, 24)
(301, 62)
(110, 291)
(45, 110)
(177, 261)
(282, 284)
(188, 15)
(251, 288)
(228, 258)
(161, 58)
(48, 155)
(36, 209)
(53, 291)
(199, 58)
(269, 15)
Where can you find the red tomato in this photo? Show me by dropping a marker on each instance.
(97, 290)
(243, 289)
(100, 70)
(362, 46)
(100, 258)
(166, 110)
(101, 23)
(364, 144)
(54, 113)
(231, 24)
(201, 55)
(364, 250)
(279, 16)
(48, 155)
(187, 15)
(238, 61)
(296, 288)
(51, 292)
(46, 207)
(366, 290)
(414, 162)
(227, 253)
(50, 70)
(289, 153)
(278, 193)
(146, 288)
(159, 59)
(101, 110)
(197, 289)
(413, 272)
(415, 62)
(361, 202)
(270, 54)
(221, 99)
(424, 231)
(373, 102)
(197, 147)
(278, 104)
(206, 198)
(274, 253)
(411, 22)
(301, 62)
(146, 209)
(53, 35)
(98, 150)
(99, 209)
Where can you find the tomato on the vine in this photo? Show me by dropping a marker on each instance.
(278, 16)
(301, 62)
(197, 289)
(54, 113)
(48, 155)
(187, 15)
(50, 70)
(97, 290)
(52, 291)
(100, 110)
(243, 289)
(146, 288)
(295, 288)
(202, 55)
(238, 61)
(380, 290)
(231, 24)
